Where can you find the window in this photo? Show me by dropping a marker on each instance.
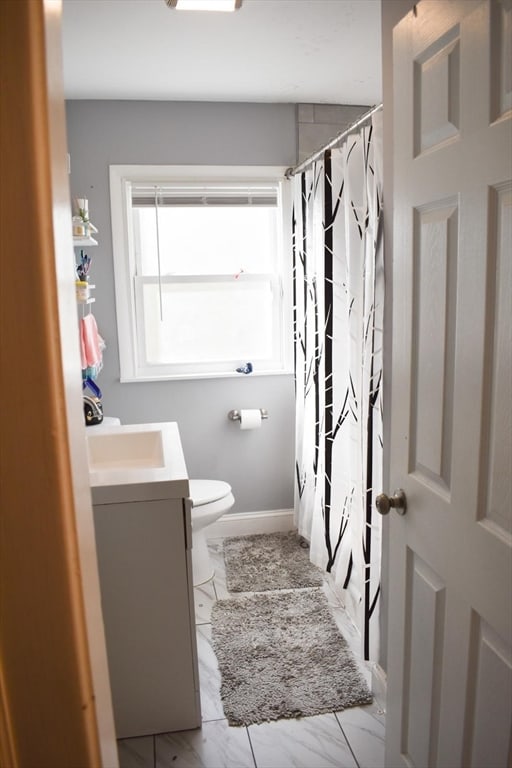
(202, 270)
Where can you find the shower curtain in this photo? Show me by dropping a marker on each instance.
(338, 322)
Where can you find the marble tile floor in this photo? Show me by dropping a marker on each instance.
(353, 738)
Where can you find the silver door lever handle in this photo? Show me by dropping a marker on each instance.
(397, 501)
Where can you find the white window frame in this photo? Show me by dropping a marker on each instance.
(132, 367)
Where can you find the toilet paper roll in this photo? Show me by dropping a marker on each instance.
(250, 418)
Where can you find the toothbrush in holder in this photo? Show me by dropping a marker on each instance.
(82, 269)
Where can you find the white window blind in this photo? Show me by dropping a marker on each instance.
(146, 196)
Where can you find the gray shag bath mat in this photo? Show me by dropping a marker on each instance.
(268, 561)
(281, 655)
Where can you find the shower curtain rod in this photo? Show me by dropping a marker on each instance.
(311, 159)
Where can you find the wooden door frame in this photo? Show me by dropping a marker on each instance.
(55, 706)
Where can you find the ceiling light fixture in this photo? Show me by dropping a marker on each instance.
(204, 5)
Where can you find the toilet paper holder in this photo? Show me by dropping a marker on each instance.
(235, 415)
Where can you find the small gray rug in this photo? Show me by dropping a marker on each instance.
(281, 655)
(267, 561)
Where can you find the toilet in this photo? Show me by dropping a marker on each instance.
(210, 500)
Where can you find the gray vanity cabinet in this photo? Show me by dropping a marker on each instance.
(144, 562)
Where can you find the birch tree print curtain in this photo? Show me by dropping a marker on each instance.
(338, 320)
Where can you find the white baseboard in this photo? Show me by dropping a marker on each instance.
(247, 523)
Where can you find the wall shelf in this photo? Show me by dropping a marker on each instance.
(80, 242)
(89, 299)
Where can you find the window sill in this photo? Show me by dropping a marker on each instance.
(192, 376)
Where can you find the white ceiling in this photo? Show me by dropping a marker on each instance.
(299, 51)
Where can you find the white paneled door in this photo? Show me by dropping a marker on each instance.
(450, 600)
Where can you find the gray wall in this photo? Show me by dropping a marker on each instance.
(259, 464)
(317, 124)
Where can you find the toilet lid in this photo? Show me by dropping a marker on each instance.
(205, 491)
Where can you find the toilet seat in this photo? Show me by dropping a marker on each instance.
(208, 491)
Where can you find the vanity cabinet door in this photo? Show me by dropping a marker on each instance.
(145, 579)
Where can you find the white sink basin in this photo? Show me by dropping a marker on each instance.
(126, 450)
(136, 462)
